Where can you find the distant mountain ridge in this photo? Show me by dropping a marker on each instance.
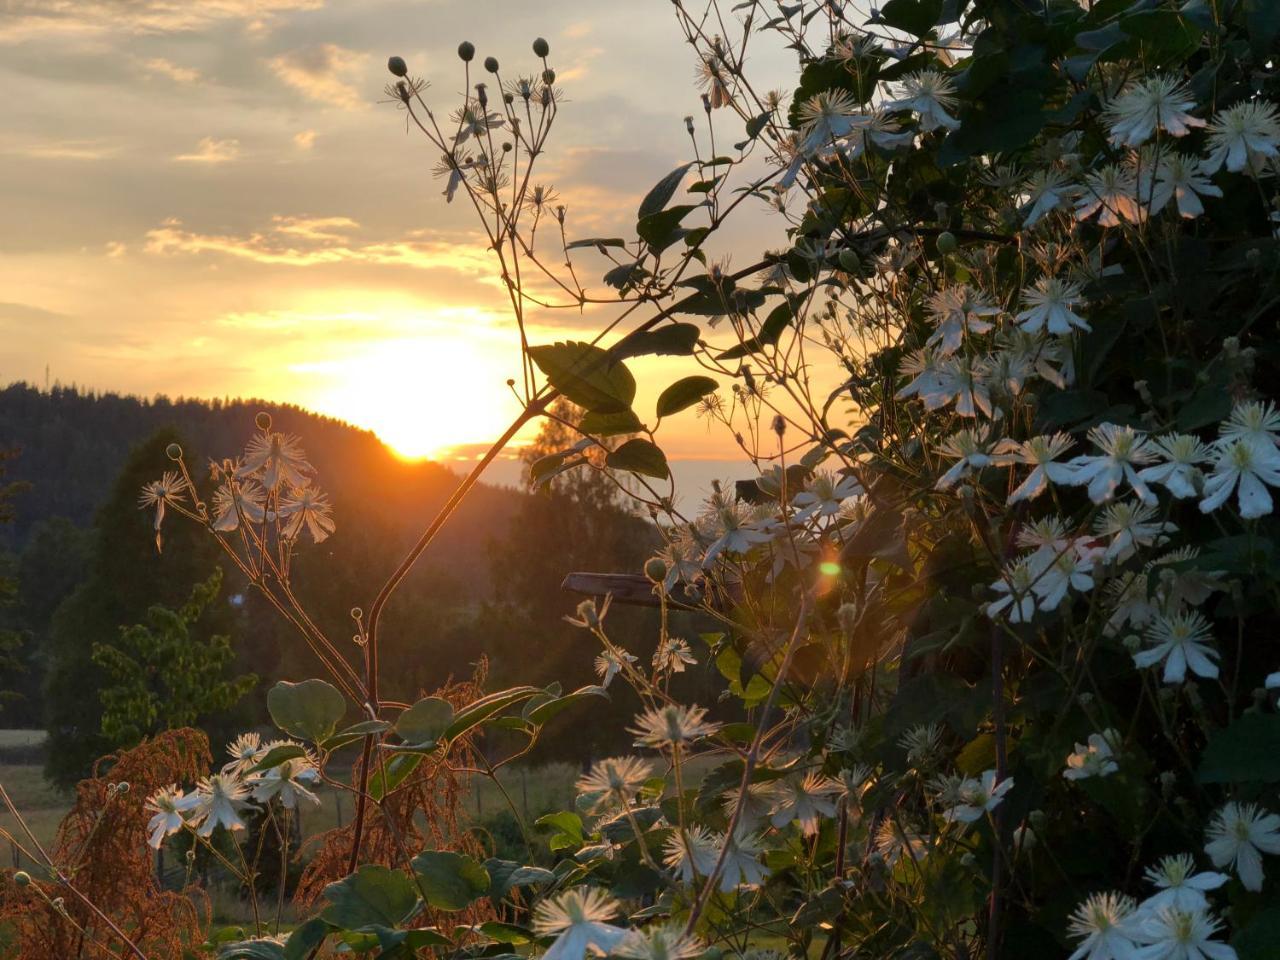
(72, 444)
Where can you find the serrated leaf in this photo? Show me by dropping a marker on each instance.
(450, 880)
(309, 710)
(639, 456)
(587, 375)
(425, 721)
(658, 198)
(684, 393)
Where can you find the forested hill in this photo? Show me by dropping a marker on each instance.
(72, 444)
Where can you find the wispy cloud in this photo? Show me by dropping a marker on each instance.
(304, 139)
(323, 72)
(24, 19)
(212, 151)
(309, 242)
(167, 69)
(61, 149)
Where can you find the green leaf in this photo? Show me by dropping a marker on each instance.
(624, 275)
(450, 880)
(600, 243)
(397, 771)
(661, 230)
(567, 830)
(252, 950)
(587, 375)
(505, 932)
(1246, 751)
(305, 939)
(917, 17)
(684, 394)
(672, 340)
(1263, 20)
(1259, 938)
(372, 896)
(357, 731)
(639, 456)
(426, 721)
(507, 874)
(658, 198)
(545, 711)
(278, 755)
(482, 709)
(310, 709)
(609, 424)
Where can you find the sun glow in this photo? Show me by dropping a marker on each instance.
(420, 395)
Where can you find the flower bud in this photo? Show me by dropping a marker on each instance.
(587, 614)
(850, 262)
(263, 420)
(1037, 819)
(947, 242)
(1133, 643)
(357, 613)
(122, 787)
(173, 451)
(541, 48)
(1024, 838)
(22, 878)
(655, 569)
(466, 51)
(779, 424)
(491, 64)
(548, 76)
(397, 66)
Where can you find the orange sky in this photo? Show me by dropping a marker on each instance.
(207, 199)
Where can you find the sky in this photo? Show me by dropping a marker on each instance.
(210, 199)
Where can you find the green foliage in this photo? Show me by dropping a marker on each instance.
(311, 709)
(158, 676)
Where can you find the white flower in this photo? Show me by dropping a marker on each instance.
(1240, 463)
(1112, 193)
(924, 366)
(691, 853)
(893, 843)
(1049, 301)
(218, 800)
(1123, 450)
(733, 532)
(1254, 423)
(473, 122)
(614, 782)
(168, 805)
(1107, 926)
(307, 508)
(1157, 103)
(1039, 453)
(235, 499)
(760, 801)
(955, 310)
(1017, 585)
(1130, 602)
(742, 866)
(1181, 640)
(1070, 569)
(245, 751)
(825, 117)
(875, 128)
(1238, 836)
(1243, 136)
(1129, 526)
(682, 558)
(275, 458)
(806, 800)
(930, 94)
(1047, 190)
(1093, 759)
(672, 725)
(1180, 472)
(158, 494)
(286, 780)
(1173, 934)
(1180, 886)
(659, 942)
(971, 450)
(978, 797)
(824, 494)
(578, 916)
(1182, 178)
(672, 655)
(609, 662)
(963, 381)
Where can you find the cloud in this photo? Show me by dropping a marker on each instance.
(317, 241)
(160, 67)
(212, 151)
(24, 19)
(28, 313)
(64, 149)
(322, 72)
(304, 139)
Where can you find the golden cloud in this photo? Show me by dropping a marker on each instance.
(212, 151)
(24, 19)
(322, 72)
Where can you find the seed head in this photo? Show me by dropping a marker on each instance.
(541, 48)
(491, 64)
(263, 420)
(548, 76)
(397, 66)
(466, 51)
(22, 878)
(655, 569)
(947, 243)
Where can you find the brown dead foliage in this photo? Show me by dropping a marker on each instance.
(101, 850)
(423, 813)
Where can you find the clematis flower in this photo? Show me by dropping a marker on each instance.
(1047, 190)
(1238, 836)
(275, 458)
(288, 780)
(1241, 465)
(734, 532)
(245, 751)
(978, 797)
(1127, 526)
(824, 494)
(761, 800)
(1180, 473)
(742, 865)
(1049, 303)
(614, 782)
(806, 800)
(1173, 934)
(1107, 925)
(672, 725)
(1040, 453)
(691, 853)
(218, 801)
(168, 805)
(1182, 178)
(577, 918)
(306, 508)
(971, 449)
(962, 381)
(1243, 136)
(957, 311)
(1156, 103)
(1094, 758)
(929, 94)
(925, 367)
(1180, 641)
(609, 662)
(1123, 451)
(235, 499)
(158, 494)
(659, 942)
(1181, 888)
(1112, 193)
(1070, 569)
